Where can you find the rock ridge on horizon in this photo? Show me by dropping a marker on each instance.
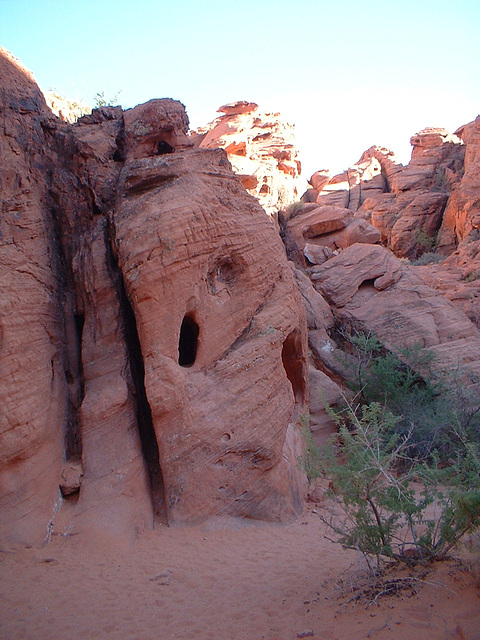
(261, 149)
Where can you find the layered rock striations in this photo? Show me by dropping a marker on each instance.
(261, 150)
(153, 340)
(347, 237)
(406, 204)
(33, 387)
(153, 346)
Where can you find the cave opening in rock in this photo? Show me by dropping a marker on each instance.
(188, 342)
(293, 365)
(163, 147)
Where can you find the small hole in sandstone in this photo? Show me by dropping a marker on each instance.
(188, 341)
(226, 437)
(163, 147)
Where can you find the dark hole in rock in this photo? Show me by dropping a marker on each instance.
(79, 320)
(163, 147)
(366, 284)
(188, 341)
(292, 363)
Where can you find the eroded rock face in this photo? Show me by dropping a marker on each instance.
(261, 150)
(462, 215)
(340, 277)
(347, 237)
(221, 334)
(33, 390)
(153, 347)
(406, 204)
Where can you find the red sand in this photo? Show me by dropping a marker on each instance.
(241, 581)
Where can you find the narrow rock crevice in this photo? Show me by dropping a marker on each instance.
(143, 410)
(387, 187)
(73, 329)
(293, 364)
(75, 379)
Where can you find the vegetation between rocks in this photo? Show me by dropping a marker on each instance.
(404, 469)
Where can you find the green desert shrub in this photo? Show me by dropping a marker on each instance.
(404, 468)
(432, 407)
(428, 258)
(416, 514)
(101, 100)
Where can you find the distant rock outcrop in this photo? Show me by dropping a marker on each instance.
(261, 150)
(350, 230)
(67, 110)
(405, 203)
(153, 345)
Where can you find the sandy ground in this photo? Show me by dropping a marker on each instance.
(219, 581)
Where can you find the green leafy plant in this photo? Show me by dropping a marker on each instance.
(404, 469)
(432, 406)
(472, 276)
(428, 258)
(101, 101)
(416, 515)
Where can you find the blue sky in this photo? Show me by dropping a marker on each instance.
(347, 73)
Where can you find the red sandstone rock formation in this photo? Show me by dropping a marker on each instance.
(153, 346)
(335, 237)
(462, 215)
(406, 204)
(403, 310)
(33, 388)
(261, 150)
(221, 335)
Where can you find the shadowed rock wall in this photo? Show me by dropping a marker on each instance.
(153, 343)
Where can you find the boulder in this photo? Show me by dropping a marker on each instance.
(155, 128)
(316, 254)
(313, 227)
(320, 178)
(356, 231)
(221, 333)
(411, 313)
(341, 276)
(415, 231)
(72, 477)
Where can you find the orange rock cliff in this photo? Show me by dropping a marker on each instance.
(159, 343)
(153, 342)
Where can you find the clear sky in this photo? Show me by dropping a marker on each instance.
(347, 73)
